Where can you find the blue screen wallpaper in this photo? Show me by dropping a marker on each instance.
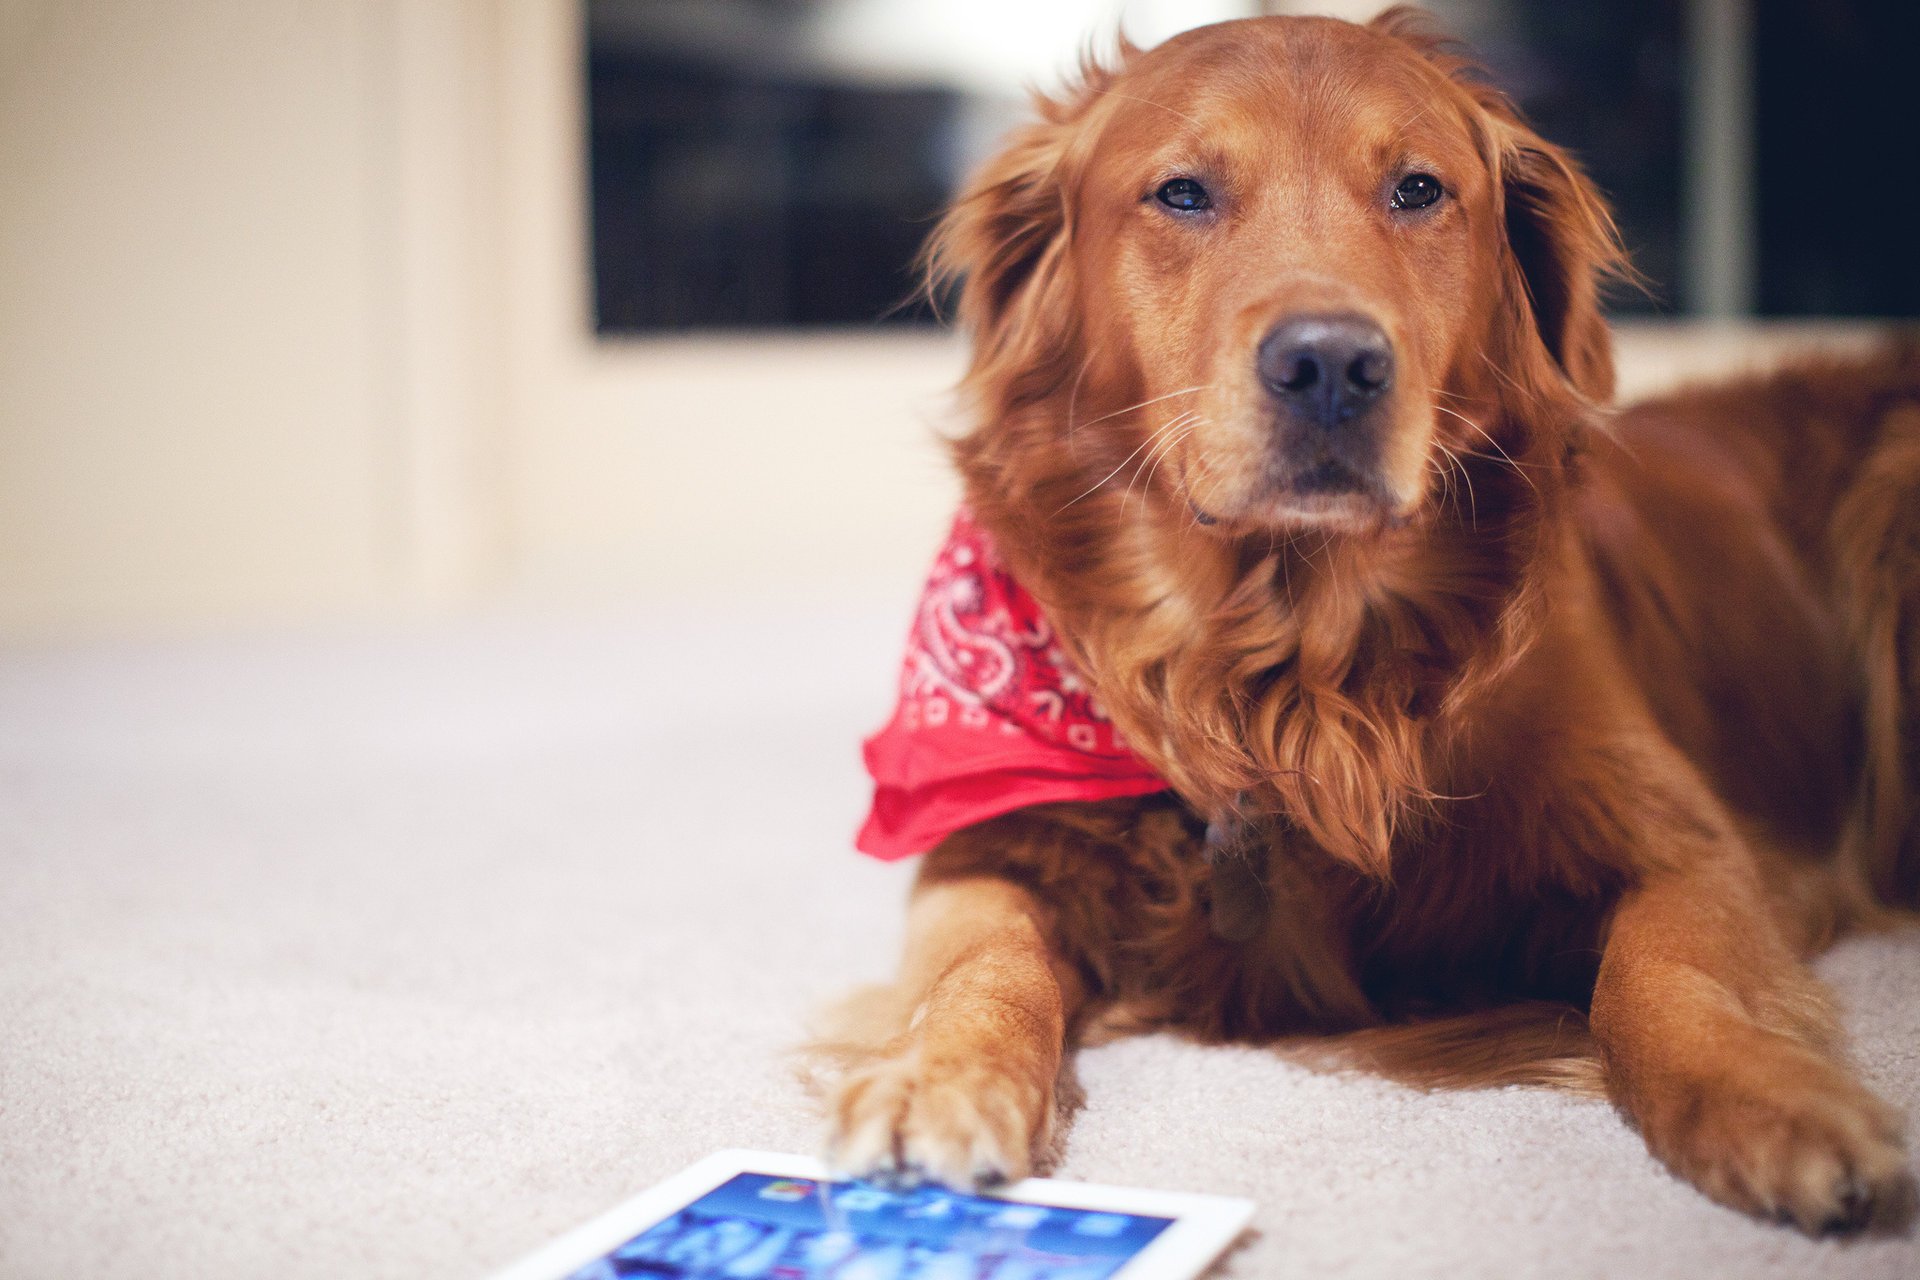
(759, 1226)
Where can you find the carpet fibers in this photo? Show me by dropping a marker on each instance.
(395, 953)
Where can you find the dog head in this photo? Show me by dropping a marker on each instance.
(1278, 273)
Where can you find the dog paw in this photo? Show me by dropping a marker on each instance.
(1796, 1139)
(913, 1116)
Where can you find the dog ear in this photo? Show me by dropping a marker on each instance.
(1562, 246)
(1005, 241)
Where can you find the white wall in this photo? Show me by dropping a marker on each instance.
(191, 399)
(293, 323)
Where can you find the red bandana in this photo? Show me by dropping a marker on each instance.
(992, 717)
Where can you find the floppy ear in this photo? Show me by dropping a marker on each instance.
(1005, 239)
(1562, 244)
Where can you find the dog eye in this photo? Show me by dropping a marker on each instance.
(1184, 194)
(1417, 191)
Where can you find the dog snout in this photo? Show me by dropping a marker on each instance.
(1326, 369)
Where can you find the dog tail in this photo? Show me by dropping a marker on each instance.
(1875, 542)
(1536, 1042)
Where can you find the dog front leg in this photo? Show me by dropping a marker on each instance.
(1721, 1048)
(960, 1089)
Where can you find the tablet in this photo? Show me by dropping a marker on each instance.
(743, 1215)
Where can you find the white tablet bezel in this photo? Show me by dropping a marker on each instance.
(1202, 1228)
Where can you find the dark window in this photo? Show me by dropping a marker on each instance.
(1603, 81)
(733, 189)
(737, 184)
(1836, 167)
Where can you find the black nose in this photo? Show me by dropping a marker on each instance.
(1326, 368)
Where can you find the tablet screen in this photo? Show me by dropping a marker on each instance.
(759, 1225)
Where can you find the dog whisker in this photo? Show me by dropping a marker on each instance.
(1473, 501)
(1170, 437)
(1506, 457)
(1184, 391)
(1160, 455)
(1144, 444)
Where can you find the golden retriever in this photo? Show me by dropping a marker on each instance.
(1504, 737)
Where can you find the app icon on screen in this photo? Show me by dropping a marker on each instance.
(787, 1189)
(1019, 1217)
(1100, 1224)
(862, 1198)
(937, 1207)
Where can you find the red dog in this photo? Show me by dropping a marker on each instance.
(1585, 728)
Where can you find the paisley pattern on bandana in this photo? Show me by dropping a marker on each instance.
(991, 716)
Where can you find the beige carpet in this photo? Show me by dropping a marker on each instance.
(394, 954)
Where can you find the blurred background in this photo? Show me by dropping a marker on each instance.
(344, 308)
